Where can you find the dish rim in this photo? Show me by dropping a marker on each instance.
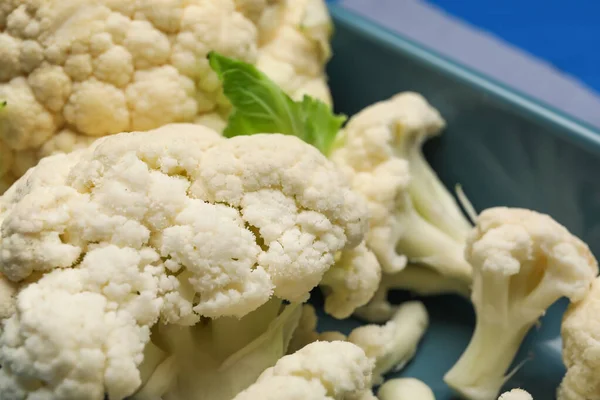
(562, 125)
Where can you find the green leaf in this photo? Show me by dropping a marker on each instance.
(260, 106)
(3, 104)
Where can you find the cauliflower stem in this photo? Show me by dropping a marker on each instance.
(423, 243)
(216, 359)
(480, 372)
(419, 279)
(431, 198)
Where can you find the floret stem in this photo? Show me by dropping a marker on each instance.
(199, 365)
(481, 370)
(230, 334)
(423, 243)
(425, 281)
(433, 200)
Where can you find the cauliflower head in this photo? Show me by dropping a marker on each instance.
(581, 348)
(147, 239)
(413, 218)
(74, 70)
(320, 371)
(523, 262)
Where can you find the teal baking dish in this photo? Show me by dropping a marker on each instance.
(504, 148)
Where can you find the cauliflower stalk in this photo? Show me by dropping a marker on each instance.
(413, 217)
(75, 70)
(169, 263)
(218, 362)
(421, 280)
(523, 262)
(581, 348)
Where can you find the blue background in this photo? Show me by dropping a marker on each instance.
(564, 33)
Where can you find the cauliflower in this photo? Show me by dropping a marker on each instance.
(319, 371)
(405, 389)
(581, 348)
(516, 394)
(74, 70)
(523, 262)
(413, 218)
(169, 261)
(394, 344)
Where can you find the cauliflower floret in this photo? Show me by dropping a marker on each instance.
(160, 238)
(516, 394)
(390, 346)
(523, 262)
(319, 371)
(394, 344)
(353, 280)
(405, 389)
(296, 36)
(581, 348)
(94, 68)
(413, 218)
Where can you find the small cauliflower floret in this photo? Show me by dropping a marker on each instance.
(319, 371)
(171, 262)
(295, 36)
(405, 389)
(351, 282)
(65, 141)
(523, 262)
(98, 68)
(581, 348)
(394, 344)
(413, 217)
(516, 394)
(390, 346)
